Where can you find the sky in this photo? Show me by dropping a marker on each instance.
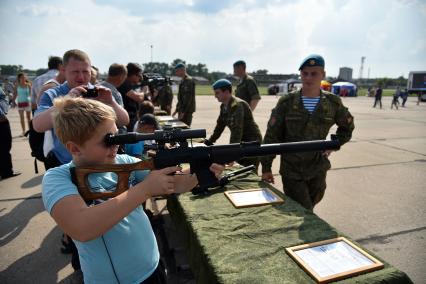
(268, 34)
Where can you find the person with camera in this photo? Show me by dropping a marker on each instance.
(131, 97)
(186, 96)
(77, 68)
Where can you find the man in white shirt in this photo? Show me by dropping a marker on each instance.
(54, 64)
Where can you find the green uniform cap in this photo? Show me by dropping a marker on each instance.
(221, 83)
(312, 60)
(180, 65)
(240, 62)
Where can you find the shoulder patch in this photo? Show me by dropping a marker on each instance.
(285, 98)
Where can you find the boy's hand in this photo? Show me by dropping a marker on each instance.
(160, 182)
(217, 169)
(185, 181)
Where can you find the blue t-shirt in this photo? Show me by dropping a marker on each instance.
(128, 252)
(136, 149)
(46, 102)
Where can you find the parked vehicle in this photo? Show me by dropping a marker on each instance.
(285, 87)
(416, 84)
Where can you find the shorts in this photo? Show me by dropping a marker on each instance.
(26, 106)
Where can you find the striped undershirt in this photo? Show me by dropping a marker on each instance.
(310, 103)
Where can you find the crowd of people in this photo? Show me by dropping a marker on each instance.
(400, 93)
(113, 237)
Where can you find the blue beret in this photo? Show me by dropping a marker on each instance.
(240, 62)
(180, 65)
(221, 83)
(312, 60)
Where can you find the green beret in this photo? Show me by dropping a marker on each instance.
(180, 65)
(221, 83)
(240, 62)
(312, 60)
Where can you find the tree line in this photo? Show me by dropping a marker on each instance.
(199, 69)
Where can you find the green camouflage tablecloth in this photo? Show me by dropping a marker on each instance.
(229, 245)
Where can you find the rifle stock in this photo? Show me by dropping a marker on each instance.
(80, 177)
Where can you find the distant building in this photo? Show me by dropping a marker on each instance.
(267, 79)
(345, 73)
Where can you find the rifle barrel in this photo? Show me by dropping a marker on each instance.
(291, 147)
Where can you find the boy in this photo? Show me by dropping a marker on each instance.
(114, 237)
(146, 124)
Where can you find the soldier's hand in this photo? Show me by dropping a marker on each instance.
(268, 177)
(327, 153)
(207, 142)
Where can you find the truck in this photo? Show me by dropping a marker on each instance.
(285, 87)
(416, 84)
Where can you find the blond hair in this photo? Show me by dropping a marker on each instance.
(76, 54)
(76, 119)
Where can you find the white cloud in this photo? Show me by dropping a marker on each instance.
(39, 10)
(273, 35)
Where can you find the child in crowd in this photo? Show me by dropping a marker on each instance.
(114, 238)
(146, 124)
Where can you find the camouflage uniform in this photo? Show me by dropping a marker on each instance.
(164, 98)
(186, 99)
(304, 174)
(247, 89)
(239, 118)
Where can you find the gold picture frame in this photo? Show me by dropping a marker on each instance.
(334, 259)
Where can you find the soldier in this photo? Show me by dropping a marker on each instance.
(247, 88)
(186, 96)
(307, 114)
(163, 97)
(236, 114)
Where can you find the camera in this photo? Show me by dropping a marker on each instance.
(154, 80)
(91, 92)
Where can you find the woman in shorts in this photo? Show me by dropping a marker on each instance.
(22, 98)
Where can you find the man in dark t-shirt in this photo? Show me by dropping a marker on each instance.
(132, 98)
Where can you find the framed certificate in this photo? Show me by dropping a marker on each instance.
(333, 259)
(252, 197)
(163, 118)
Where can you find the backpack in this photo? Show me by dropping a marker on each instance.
(36, 140)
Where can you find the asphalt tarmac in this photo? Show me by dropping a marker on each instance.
(375, 192)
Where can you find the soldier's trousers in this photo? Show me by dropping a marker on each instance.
(250, 161)
(306, 192)
(187, 118)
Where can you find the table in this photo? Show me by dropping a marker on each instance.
(171, 121)
(229, 245)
